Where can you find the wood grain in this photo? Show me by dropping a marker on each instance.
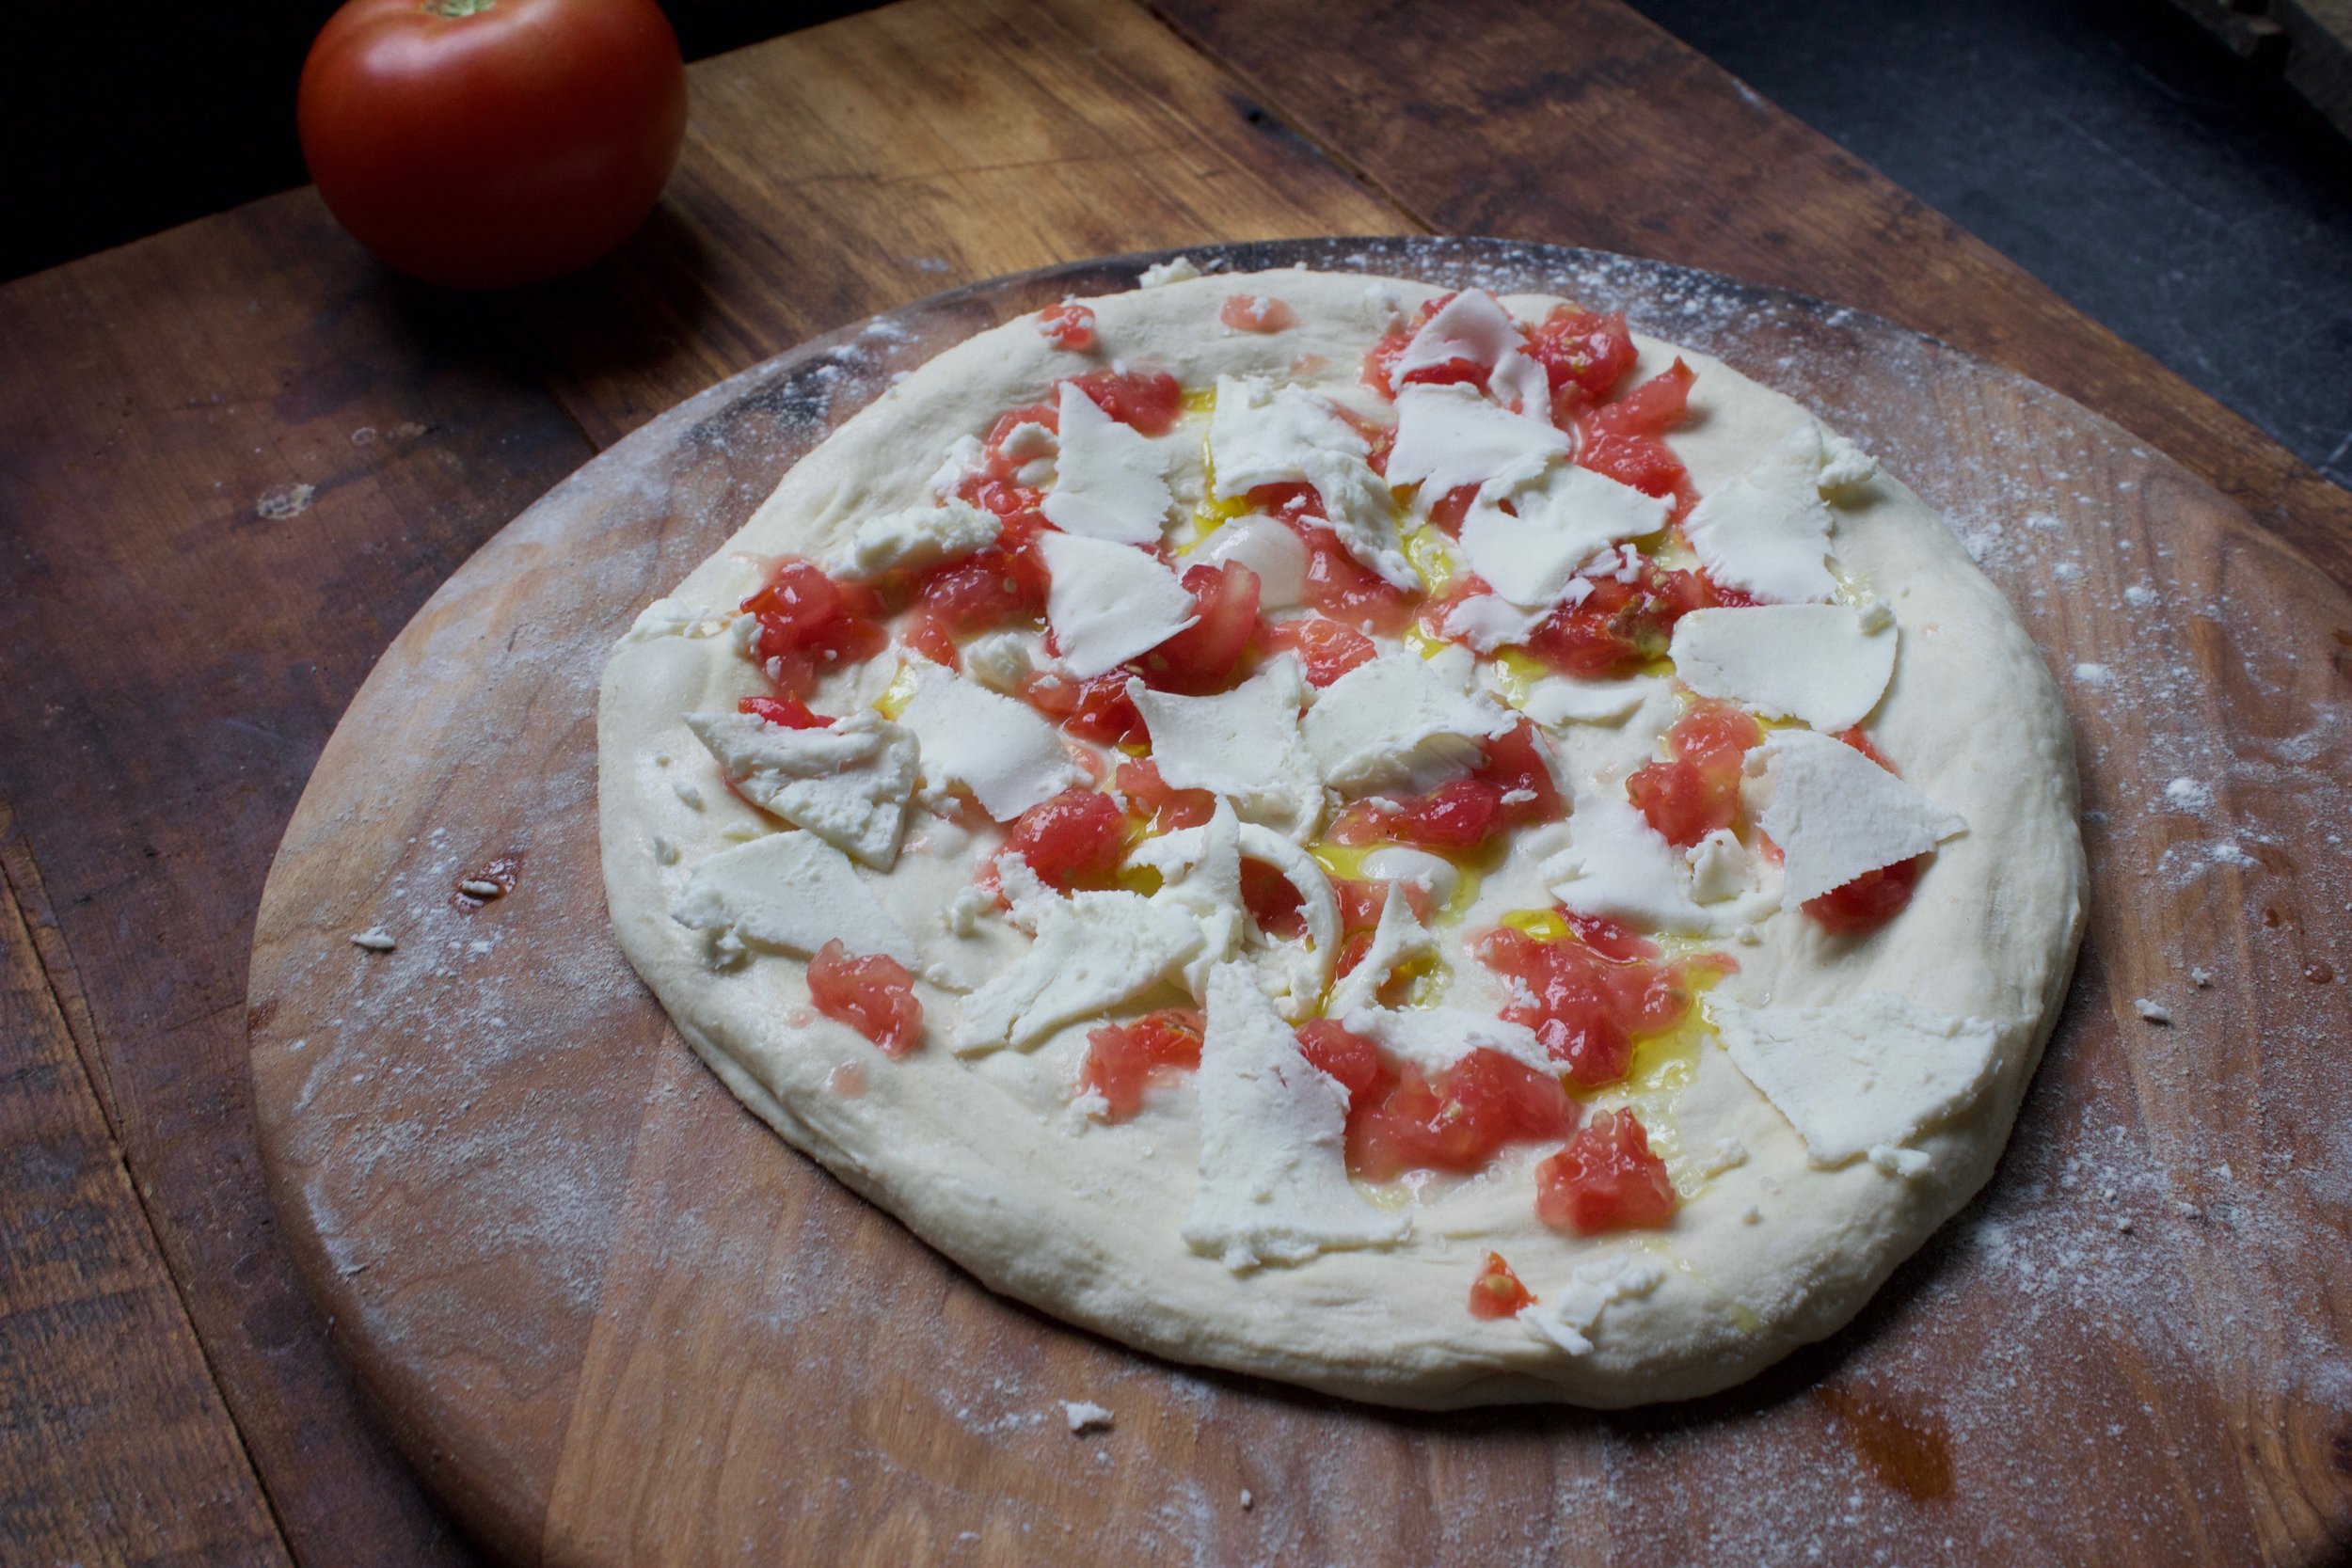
(1580, 123)
(616, 1321)
(117, 1449)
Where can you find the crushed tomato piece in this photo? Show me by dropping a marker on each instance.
(1068, 325)
(1327, 649)
(1586, 1008)
(1256, 313)
(1149, 401)
(1167, 808)
(808, 623)
(1397, 1121)
(1625, 439)
(1097, 709)
(1619, 625)
(1203, 658)
(1585, 354)
(1076, 840)
(789, 712)
(874, 995)
(1699, 790)
(1605, 1179)
(1337, 584)
(1512, 788)
(1497, 1291)
(1121, 1059)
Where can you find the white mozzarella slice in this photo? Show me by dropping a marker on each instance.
(1448, 436)
(1201, 877)
(1107, 603)
(1260, 434)
(1266, 547)
(999, 660)
(1519, 383)
(1768, 531)
(1244, 744)
(1862, 1075)
(1472, 325)
(1005, 752)
(1820, 663)
(848, 783)
(1619, 867)
(789, 891)
(1188, 852)
(1558, 700)
(1486, 622)
(1433, 1038)
(1396, 939)
(1403, 721)
(1835, 813)
(1109, 482)
(1562, 516)
(1434, 874)
(917, 537)
(1359, 508)
(1569, 1316)
(1093, 951)
(1274, 1186)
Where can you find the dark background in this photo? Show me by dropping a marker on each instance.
(2112, 147)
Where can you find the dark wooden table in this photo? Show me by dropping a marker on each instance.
(238, 457)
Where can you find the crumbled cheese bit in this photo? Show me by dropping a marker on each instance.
(999, 660)
(375, 939)
(916, 537)
(1570, 1316)
(1860, 1075)
(1085, 1416)
(1176, 269)
(1401, 720)
(1725, 1154)
(848, 783)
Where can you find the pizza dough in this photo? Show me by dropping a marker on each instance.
(1846, 1095)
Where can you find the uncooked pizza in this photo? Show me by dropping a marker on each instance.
(1422, 844)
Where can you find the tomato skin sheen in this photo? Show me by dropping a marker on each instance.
(1457, 1123)
(1585, 354)
(1497, 1291)
(1512, 788)
(1327, 649)
(483, 148)
(1869, 901)
(1122, 1059)
(1167, 808)
(808, 623)
(1096, 709)
(873, 995)
(1147, 399)
(788, 712)
(1605, 1179)
(1203, 656)
(1076, 840)
(1068, 325)
(1586, 1008)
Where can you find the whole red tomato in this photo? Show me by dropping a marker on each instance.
(483, 143)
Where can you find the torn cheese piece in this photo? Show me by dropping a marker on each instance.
(1835, 813)
(1190, 851)
(790, 890)
(1486, 622)
(1109, 482)
(1719, 867)
(1176, 269)
(1360, 512)
(1397, 938)
(1005, 752)
(1768, 530)
(1569, 1316)
(1473, 326)
(1201, 879)
(1274, 1186)
(1432, 874)
(1244, 744)
(1259, 434)
(1276, 555)
(1561, 517)
(918, 536)
(1402, 721)
(1448, 436)
(847, 783)
(1433, 1038)
(1558, 700)
(1824, 664)
(1108, 603)
(1093, 951)
(1862, 1075)
(1619, 867)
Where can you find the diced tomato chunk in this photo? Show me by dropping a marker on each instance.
(1481, 1102)
(1625, 441)
(1150, 797)
(1585, 1008)
(1380, 369)
(1148, 401)
(1497, 1291)
(1861, 742)
(1870, 900)
(1699, 790)
(789, 712)
(1203, 657)
(1611, 939)
(1362, 899)
(1327, 649)
(808, 623)
(1337, 583)
(1457, 817)
(1618, 625)
(1351, 1059)
(1076, 840)
(874, 995)
(1585, 354)
(1605, 1179)
(1097, 709)
(1514, 763)
(1121, 1059)
(1068, 325)
(1273, 901)
(1447, 511)
(1256, 313)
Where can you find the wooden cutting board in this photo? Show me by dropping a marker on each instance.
(615, 1320)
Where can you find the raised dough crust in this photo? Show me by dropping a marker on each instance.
(985, 1162)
